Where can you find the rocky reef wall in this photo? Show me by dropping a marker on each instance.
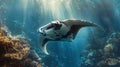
(103, 53)
(16, 52)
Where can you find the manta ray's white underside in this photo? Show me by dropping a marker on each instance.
(65, 30)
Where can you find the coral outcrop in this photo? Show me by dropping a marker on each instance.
(106, 56)
(16, 52)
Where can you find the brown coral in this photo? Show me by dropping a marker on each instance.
(13, 51)
(108, 49)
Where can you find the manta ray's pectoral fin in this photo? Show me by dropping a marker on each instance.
(81, 23)
(74, 30)
(43, 45)
(76, 25)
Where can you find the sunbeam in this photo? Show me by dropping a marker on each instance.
(57, 8)
(25, 6)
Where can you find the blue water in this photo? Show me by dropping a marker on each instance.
(24, 17)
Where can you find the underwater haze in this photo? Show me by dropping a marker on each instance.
(24, 17)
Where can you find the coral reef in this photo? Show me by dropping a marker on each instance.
(106, 56)
(16, 52)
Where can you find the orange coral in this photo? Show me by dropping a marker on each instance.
(13, 50)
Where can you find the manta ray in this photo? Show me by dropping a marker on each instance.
(61, 30)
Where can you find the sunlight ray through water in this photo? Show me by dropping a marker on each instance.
(57, 8)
